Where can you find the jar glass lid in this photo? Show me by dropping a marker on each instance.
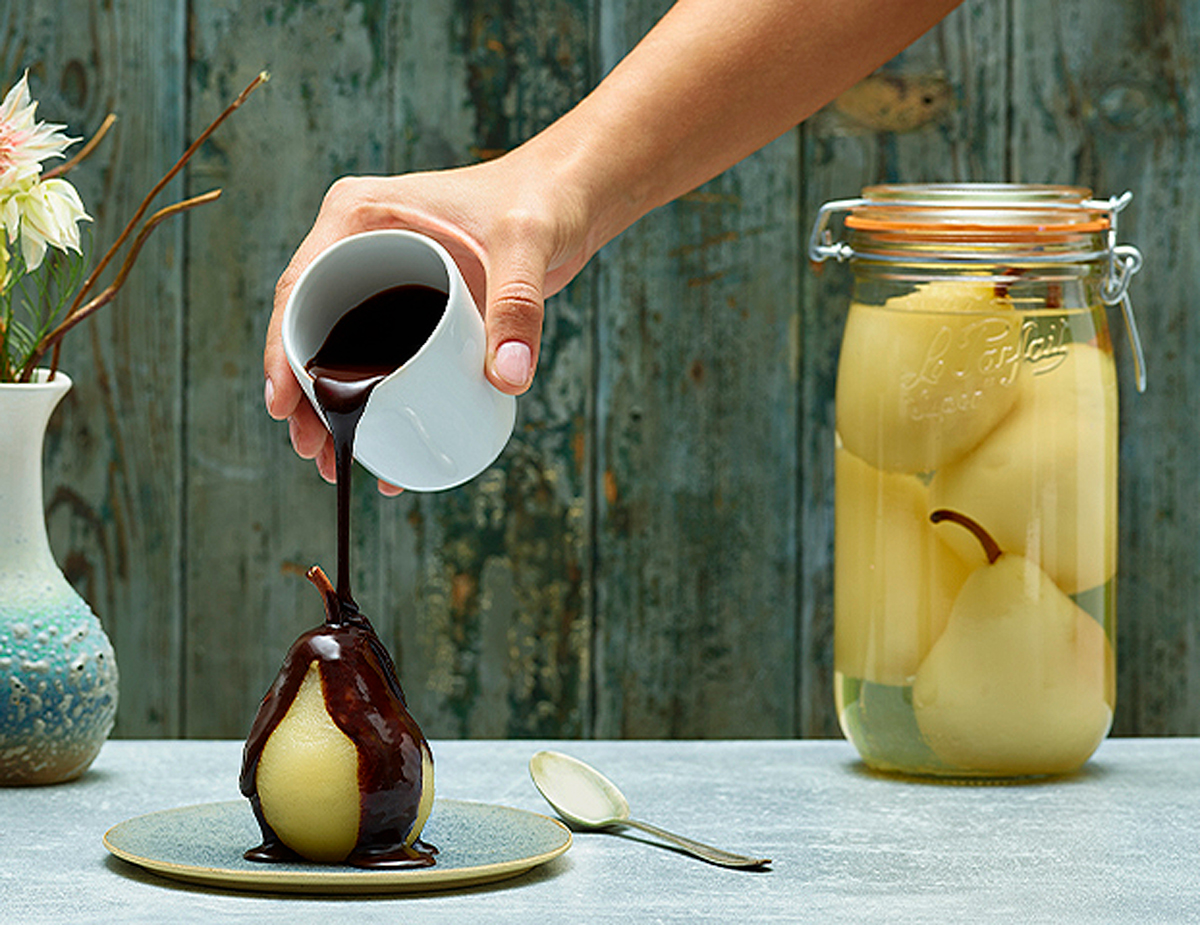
(978, 210)
(975, 223)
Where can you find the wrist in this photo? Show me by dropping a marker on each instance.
(584, 183)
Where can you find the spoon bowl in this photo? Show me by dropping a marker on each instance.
(587, 799)
(578, 792)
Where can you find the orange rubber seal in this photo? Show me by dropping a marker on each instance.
(879, 225)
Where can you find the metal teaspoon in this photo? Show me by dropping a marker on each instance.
(588, 800)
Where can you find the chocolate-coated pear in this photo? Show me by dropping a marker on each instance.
(335, 768)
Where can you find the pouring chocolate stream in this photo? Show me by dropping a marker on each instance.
(363, 702)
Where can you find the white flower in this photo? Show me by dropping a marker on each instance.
(41, 213)
(25, 143)
(37, 213)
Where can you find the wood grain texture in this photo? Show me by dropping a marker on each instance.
(256, 515)
(696, 416)
(494, 639)
(1111, 101)
(652, 554)
(114, 465)
(480, 591)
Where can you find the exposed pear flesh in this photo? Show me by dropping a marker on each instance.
(425, 807)
(308, 778)
(1022, 679)
(1045, 480)
(894, 579)
(925, 376)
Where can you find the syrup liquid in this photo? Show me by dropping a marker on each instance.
(898, 577)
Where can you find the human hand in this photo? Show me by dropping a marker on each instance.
(700, 92)
(513, 234)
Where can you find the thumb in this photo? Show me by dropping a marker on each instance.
(513, 318)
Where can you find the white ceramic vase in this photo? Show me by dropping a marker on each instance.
(58, 674)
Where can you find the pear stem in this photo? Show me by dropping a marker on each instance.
(333, 610)
(990, 548)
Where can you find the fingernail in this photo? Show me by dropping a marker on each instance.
(268, 393)
(513, 362)
(294, 434)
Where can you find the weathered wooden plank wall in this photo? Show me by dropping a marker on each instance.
(652, 554)
(696, 413)
(114, 454)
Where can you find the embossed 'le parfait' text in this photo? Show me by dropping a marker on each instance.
(963, 363)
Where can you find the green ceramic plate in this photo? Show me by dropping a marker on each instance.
(477, 843)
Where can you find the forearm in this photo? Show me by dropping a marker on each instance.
(713, 82)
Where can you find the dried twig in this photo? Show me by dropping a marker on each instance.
(106, 295)
(81, 307)
(84, 151)
(167, 177)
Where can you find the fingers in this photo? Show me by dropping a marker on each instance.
(337, 219)
(513, 366)
(327, 462)
(281, 391)
(311, 440)
(514, 314)
(504, 261)
(307, 432)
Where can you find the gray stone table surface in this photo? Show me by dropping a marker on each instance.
(1115, 843)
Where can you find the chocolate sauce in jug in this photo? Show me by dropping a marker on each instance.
(362, 691)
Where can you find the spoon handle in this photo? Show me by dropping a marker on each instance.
(699, 849)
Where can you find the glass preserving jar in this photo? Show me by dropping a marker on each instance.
(976, 476)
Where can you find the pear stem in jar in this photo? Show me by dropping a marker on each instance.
(990, 547)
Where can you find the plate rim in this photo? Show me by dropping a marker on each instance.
(340, 879)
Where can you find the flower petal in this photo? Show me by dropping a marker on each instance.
(25, 142)
(47, 213)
